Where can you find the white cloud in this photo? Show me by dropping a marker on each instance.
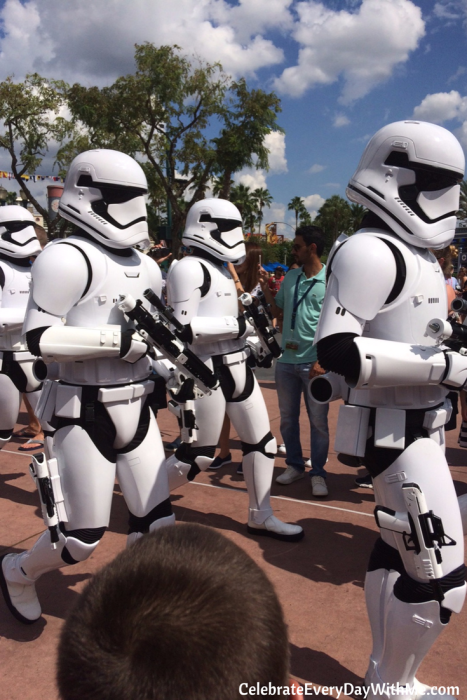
(250, 17)
(333, 185)
(462, 134)
(254, 178)
(275, 143)
(342, 43)
(274, 213)
(316, 168)
(446, 10)
(441, 106)
(444, 106)
(459, 72)
(250, 177)
(89, 43)
(340, 120)
(313, 203)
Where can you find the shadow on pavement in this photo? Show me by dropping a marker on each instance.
(318, 668)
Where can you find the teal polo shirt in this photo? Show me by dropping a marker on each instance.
(307, 316)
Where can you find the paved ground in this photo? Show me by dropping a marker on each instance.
(319, 580)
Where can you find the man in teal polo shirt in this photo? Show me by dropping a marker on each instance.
(298, 303)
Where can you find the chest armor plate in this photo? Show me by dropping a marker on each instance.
(15, 295)
(422, 298)
(111, 276)
(221, 300)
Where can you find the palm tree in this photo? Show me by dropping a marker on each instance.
(358, 212)
(218, 184)
(296, 204)
(334, 217)
(241, 196)
(304, 217)
(263, 198)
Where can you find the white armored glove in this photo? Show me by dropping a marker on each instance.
(133, 347)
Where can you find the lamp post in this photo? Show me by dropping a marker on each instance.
(22, 199)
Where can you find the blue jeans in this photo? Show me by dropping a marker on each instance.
(291, 380)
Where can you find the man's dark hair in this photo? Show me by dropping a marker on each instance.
(312, 234)
(183, 613)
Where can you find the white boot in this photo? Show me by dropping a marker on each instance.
(379, 690)
(19, 572)
(257, 471)
(378, 588)
(410, 631)
(18, 590)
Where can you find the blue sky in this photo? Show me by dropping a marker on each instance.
(342, 68)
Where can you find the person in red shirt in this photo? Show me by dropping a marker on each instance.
(276, 281)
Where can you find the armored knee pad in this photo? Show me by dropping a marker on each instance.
(267, 446)
(199, 458)
(80, 544)
(148, 523)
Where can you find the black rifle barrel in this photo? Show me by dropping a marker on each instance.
(152, 297)
(164, 338)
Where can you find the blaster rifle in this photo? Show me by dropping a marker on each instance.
(449, 332)
(156, 332)
(422, 532)
(261, 321)
(45, 475)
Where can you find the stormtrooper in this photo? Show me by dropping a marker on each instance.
(202, 294)
(18, 243)
(101, 412)
(384, 289)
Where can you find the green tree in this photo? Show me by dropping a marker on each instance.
(263, 198)
(249, 117)
(334, 217)
(357, 213)
(217, 184)
(296, 204)
(242, 197)
(304, 217)
(30, 121)
(166, 114)
(11, 198)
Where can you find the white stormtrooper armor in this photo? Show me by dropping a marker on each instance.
(101, 412)
(18, 243)
(202, 294)
(384, 287)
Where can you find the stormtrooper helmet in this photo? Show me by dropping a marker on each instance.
(409, 176)
(215, 226)
(17, 234)
(104, 195)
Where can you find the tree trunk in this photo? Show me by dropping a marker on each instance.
(225, 190)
